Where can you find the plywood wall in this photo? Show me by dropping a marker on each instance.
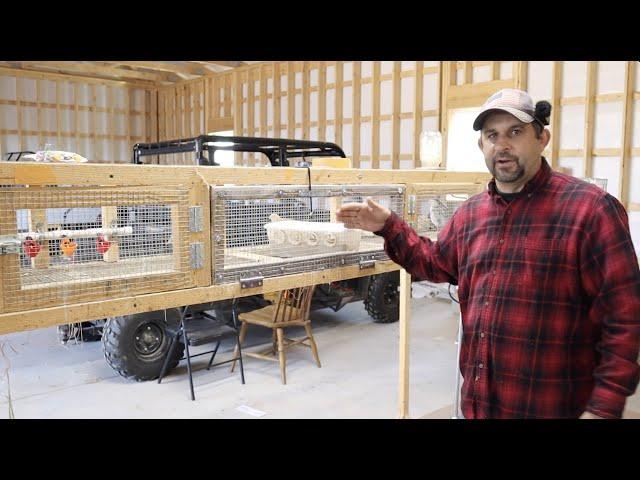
(100, 120)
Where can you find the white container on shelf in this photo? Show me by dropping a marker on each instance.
(312, 237)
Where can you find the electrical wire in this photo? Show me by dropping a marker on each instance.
(451, 296)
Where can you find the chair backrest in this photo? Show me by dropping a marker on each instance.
(293, 304)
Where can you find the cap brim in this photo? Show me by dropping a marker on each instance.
(519, 114)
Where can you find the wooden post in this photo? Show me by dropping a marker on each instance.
(405, 316)
(589, 115)
(337, 122)
(395, 122)
(39, 113)
(251, 114)
(417, 112)
(627, 123)
(19, 111)
(237, 113)
(305, 100)
(355, 114)
(263, 103)
(58, 126)
(291, 100)
(322, 102)
(275, 69)
(109, 215)
(495, 70)
(375, 116)
(555, 113)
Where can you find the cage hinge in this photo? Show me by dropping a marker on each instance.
(195, 218)
(196, 255)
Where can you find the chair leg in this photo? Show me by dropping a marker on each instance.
(240, 358)
(186, 347)
(215, 350)
(243, 333)
(281, 354)
(172, 347)
(314, 347)
(274, 341)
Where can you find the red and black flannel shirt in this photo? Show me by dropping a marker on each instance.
(549, 290)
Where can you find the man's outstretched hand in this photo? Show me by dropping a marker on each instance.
(368, 216)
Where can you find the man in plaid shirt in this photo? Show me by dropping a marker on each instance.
(547, 277)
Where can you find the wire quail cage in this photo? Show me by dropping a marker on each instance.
(433, 205)
(273, 230)
(65, 245)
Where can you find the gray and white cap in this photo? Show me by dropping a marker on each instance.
(516, 102)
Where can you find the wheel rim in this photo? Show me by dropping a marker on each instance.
(390, 294)
(148, 339)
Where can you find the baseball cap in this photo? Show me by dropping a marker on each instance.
(516, 102)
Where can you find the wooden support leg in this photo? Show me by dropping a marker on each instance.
(281, 354)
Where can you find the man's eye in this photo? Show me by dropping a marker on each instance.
(516, 131)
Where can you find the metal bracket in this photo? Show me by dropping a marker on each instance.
(411, 208)
(196, 255)
(195, 219)
(251, 282)
(9, 245)
(367, 264)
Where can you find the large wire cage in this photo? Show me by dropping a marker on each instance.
(431, 206)
(66, 245)
(272, 230)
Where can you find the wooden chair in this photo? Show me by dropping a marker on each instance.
(291, 309)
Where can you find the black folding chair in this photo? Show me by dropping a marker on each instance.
(200, 330)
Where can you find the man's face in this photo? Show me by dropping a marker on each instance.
(511, 149)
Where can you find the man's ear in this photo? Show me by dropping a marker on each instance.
(545, 137)
(480, 142)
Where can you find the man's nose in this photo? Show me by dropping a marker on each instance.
(502, 143)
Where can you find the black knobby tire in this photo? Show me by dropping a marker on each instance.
(135, 346)
(382, 300)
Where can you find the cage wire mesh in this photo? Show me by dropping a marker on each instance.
(278, 230)
(91, 244)
(601, 182)
(433, 211)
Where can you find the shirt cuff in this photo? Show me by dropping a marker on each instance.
(606, 403)
(388, 223)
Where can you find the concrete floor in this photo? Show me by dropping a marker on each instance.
(40, 378)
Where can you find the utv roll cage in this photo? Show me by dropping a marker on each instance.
(278, 150)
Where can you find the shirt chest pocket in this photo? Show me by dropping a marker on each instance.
(548, 263)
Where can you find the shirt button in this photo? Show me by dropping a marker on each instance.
(481, 334)
(486, 304)
(481, 365)
(501, 240)
(494, 272)
(529, 195)
(477, 377)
